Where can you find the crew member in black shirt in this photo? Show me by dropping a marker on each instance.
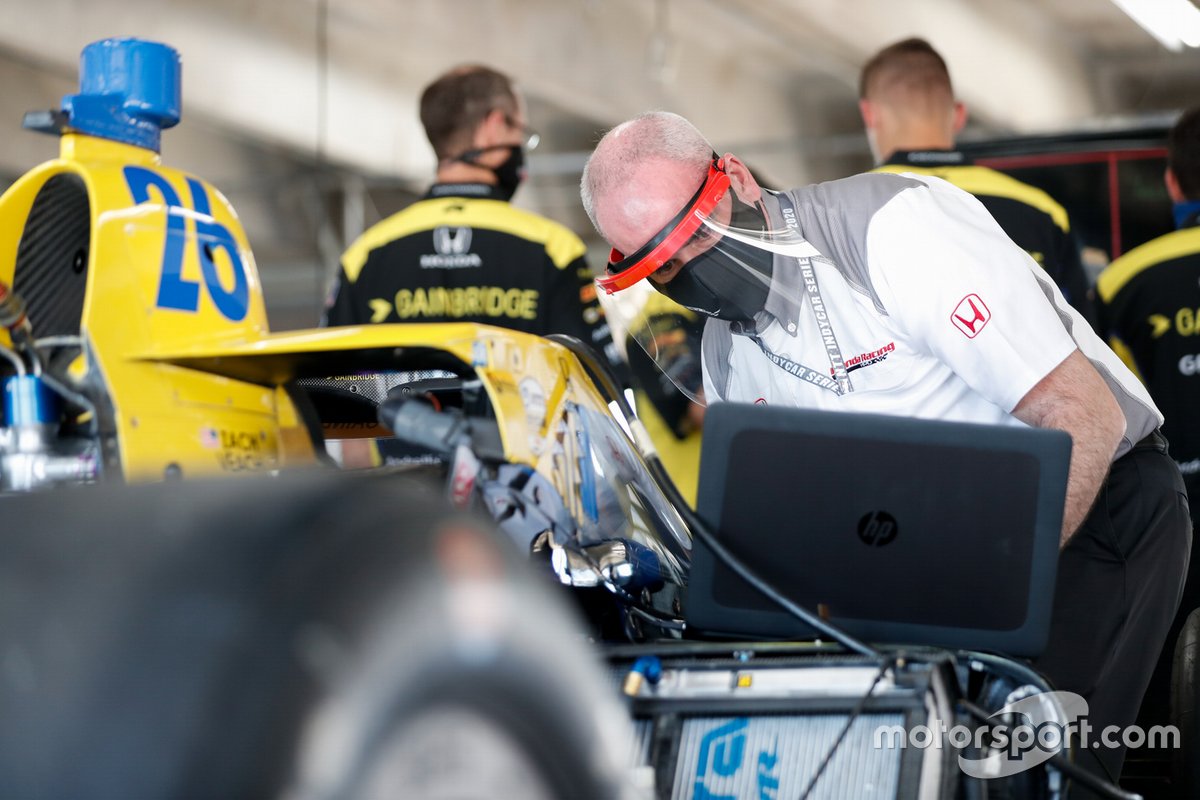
(1149, 306)
(912, 118)
(463, 253)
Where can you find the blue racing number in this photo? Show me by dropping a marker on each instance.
(175, 291)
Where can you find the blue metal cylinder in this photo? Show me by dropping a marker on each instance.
(29, 401)
(129, 91)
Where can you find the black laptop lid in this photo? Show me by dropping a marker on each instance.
(901, 530)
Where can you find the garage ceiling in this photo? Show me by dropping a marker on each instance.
(303, 111)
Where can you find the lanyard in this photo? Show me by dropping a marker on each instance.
(802, 372)
(840, 382)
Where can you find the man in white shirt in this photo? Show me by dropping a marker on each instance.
(899, 294)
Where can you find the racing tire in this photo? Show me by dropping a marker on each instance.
(1185, 709)
(320, 636)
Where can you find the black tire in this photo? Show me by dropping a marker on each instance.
(1185, 709)
(253, 638)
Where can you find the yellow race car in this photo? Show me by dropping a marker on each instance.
(134, 336)
(134, 347)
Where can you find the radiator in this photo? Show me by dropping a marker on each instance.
(759, 729)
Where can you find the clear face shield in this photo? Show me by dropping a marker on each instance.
(715, 258)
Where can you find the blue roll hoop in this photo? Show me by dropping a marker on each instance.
(129, 91)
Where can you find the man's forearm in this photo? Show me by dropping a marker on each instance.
(1089, 467)
(1074, 398)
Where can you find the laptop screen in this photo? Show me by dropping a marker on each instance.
(898, 530)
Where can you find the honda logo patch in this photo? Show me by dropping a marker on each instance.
(452, 241)
(453, 246)
(971, 315)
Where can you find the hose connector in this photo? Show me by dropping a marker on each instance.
(646, 669)
(12, 313)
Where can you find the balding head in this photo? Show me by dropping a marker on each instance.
(641, 175)
(907, 100)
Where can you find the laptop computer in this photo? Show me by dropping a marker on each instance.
(898, 530)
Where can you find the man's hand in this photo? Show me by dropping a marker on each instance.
(1074, 398)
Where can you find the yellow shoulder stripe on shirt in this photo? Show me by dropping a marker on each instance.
(1165, 248)
(984, 180)
(562, 245)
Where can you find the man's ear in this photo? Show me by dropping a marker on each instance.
(1173, 186)
(491, 131)
(743, 183)
(870, 114)
(960, 117)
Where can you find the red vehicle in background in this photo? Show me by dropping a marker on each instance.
(1110, 182)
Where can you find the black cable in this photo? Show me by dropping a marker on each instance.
(651, 615)
(699, 528)
(747, 574)
(858, 709)
(664, 622)
(1064, 765)
(1013, 669)
(71, 396)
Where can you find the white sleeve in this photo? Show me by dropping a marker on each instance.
(954, 282)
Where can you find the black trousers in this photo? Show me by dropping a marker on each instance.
(1119, 583)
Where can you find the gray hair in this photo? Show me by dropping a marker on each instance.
(621, 153)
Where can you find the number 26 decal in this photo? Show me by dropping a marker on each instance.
(175, 291)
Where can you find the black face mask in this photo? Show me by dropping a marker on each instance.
(509, 174)
(730, 280)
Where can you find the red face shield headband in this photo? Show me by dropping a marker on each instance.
(624, 271)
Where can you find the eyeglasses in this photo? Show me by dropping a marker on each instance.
(529, 137)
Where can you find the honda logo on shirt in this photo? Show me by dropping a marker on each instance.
(452, 241)
(453, 246)
(971, 315)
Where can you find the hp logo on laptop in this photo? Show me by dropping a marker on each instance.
(877, 528)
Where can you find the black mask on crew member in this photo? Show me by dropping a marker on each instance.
(730, 278)
(730, 282)
(509, 173)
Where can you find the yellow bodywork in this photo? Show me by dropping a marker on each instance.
(177, 339)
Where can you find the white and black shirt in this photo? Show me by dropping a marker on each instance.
(929, 307)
